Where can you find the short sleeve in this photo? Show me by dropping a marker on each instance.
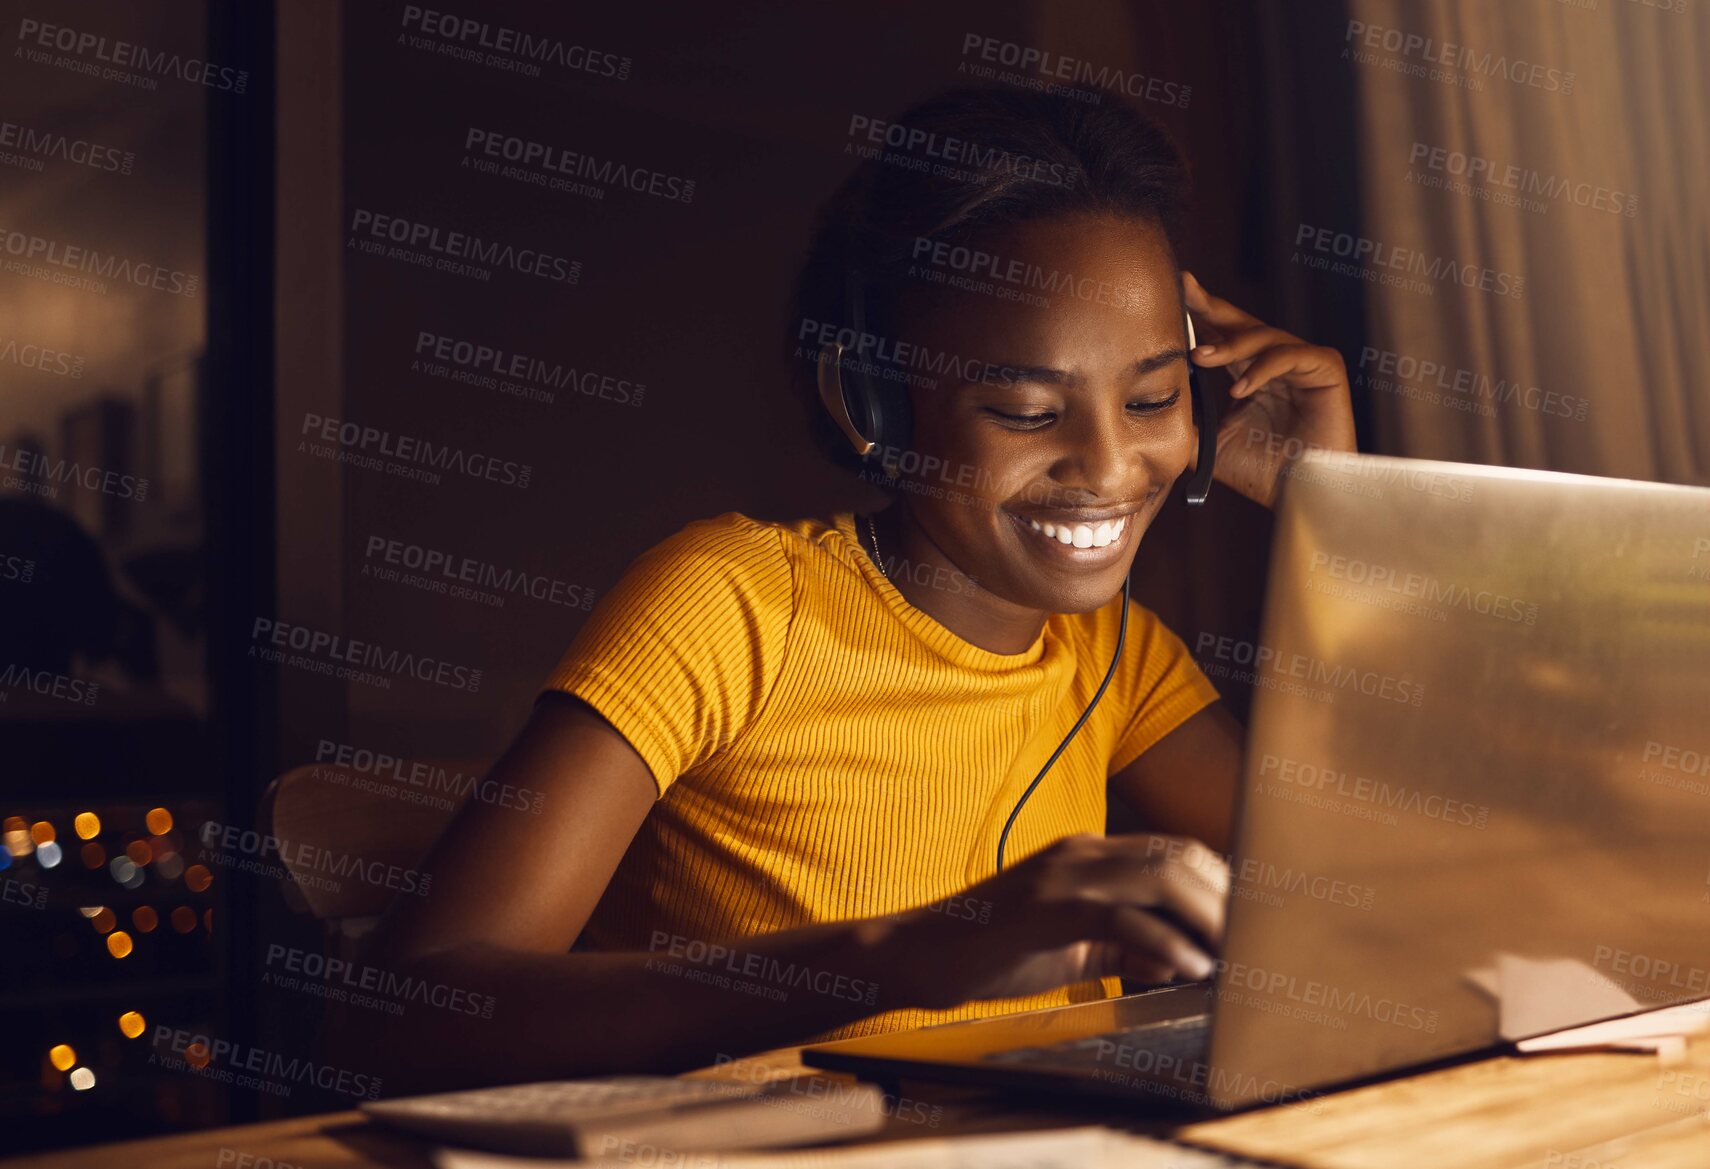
(1165, 690)
(682, 652)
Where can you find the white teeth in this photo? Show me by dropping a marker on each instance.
(1097, 535)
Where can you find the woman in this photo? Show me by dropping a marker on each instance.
(780, 759)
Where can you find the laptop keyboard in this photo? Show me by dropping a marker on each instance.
(1184, 1040)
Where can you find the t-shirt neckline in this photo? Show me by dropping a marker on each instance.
(927, 627)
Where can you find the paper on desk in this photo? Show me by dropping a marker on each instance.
(1663, 1031)
(1542, 1005)
(1069, 1148)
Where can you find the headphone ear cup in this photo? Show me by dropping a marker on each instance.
(853, 385)
(882, 403)
(893, 422)
(874, 411)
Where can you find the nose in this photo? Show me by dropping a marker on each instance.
(1101, 456)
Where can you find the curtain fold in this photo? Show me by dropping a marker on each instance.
(1564, 147)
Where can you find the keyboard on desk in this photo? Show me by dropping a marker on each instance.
(1167, 1044)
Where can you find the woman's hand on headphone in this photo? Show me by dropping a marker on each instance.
(1149, 908)
(1290, 397)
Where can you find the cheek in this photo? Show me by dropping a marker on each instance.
(1164, 447)
(1170, 446)
(1181, 443)
(956, 448)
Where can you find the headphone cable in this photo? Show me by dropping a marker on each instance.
(1121, 635)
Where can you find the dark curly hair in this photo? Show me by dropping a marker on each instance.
(955, 166)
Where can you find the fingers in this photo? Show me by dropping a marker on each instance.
(1146, 971)
(1150, 908)
(1175, 880)
(1302, 366)
(1236, 338)
(1209, 868)
(1192, 902)
(1241, 346)
(1188, 880)
(1114, 959)
(1152, 945)
(1214, 309)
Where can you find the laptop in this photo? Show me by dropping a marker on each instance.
(1475, 804)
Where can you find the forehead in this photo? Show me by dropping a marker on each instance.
(1082, 290)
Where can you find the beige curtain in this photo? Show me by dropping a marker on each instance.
(1594, 192)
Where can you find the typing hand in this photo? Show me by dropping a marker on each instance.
(1149, 908)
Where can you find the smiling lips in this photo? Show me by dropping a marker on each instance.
(1099, 535)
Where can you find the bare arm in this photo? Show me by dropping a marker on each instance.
(1185, 783)
(511, 892)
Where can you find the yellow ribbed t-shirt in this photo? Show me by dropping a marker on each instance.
(825, 751)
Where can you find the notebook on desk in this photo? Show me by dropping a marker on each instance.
(1480, 700)
(613, 1117)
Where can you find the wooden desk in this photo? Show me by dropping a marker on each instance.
(1572, 1111)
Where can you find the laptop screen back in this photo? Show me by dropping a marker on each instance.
(1476, 802)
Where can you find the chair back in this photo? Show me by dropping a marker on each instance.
(352, 840)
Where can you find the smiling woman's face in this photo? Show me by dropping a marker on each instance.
(1087, 439)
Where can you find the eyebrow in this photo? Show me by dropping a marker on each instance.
(1048, 375)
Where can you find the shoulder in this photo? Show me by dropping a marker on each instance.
(721, 550)
(733, 545)
(717, 590)
(682, 653)
(731, 567)
(728, 534)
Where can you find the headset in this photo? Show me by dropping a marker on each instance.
(849, 392)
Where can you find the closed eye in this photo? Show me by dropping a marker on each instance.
(1034, 421)
(1156, 407)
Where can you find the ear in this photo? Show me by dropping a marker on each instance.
(831, 395)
